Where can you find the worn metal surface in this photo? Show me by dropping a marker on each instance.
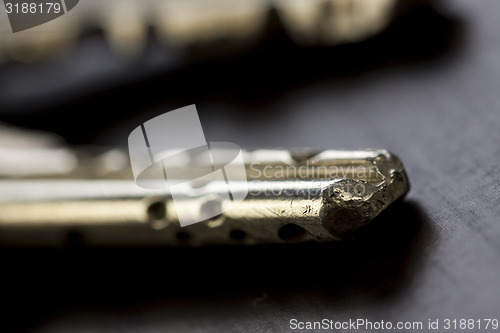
(291, 197)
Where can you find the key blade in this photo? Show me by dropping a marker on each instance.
(323, 196)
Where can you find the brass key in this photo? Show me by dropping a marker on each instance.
(292, 197)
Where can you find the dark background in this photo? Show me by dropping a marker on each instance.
(428, 89)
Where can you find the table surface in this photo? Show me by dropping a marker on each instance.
(432, 96)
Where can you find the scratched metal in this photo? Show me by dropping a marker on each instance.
(325, 196)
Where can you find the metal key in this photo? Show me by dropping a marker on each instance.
(182, 24)
(292, 197)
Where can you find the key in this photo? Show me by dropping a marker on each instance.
(292, 197)
(184, 24)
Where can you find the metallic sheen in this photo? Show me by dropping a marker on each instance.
(293, 196)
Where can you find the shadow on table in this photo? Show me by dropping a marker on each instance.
(41, 285)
